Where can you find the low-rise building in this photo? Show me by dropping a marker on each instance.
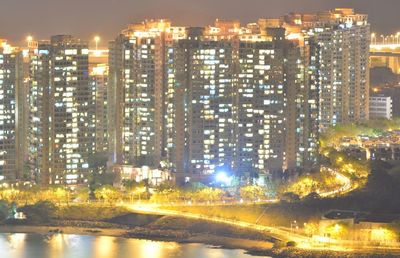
(154, 176)
(353, 227)
(380, 106)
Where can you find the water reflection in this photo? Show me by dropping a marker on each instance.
(77, 246)
(104, 247)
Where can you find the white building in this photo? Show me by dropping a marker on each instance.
(380, 106)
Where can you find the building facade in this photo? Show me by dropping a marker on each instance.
(239, 99)
(224, 94)
(380, 106)
(12, 114)
(62, 129)
(98, 113)
(137, 79)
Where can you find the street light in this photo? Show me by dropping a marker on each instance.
(373, 38)
(96, 40)
(293, 224)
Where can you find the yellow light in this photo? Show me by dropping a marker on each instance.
(337, 228)
(99, 70)
(104, 247)
(29, 38)
(294, 36)
(382, 234)
(97, 38)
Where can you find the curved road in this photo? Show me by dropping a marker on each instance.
(277, 233)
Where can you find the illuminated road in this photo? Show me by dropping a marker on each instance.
(282, 234)
(302, 242)
(345, 188)
(277, 233)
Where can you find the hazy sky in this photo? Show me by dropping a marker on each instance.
(85, 18)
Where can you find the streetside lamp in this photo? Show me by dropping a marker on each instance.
(373, 38)
(96, 40)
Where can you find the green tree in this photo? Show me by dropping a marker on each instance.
(99, 176)
(83, 194)
(252, 192)
(108, 194)
(208, 195)
(60, 195)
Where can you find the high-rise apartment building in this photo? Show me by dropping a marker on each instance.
(62, 129)
(98, 113)
(136, 93)
(338, 52)
(227, 101)
(245, 99)
(12, 108)
(216, 96)
(335, 53)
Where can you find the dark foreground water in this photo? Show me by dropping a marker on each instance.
(79, 246)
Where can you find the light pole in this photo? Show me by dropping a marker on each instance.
(293, 225)
(29, 40)
(96, 40)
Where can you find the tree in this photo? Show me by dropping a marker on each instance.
(290, 197)
(60, 195)
(107, 194)
(27, 172)
(168, 195)
(135, 189)
(83, 194)
(9, 195)
(252, 192)
(129, 184)
(208, 194)
(165, 186)
(99, 176)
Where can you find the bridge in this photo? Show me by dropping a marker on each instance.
(386, 54)
(385, 50)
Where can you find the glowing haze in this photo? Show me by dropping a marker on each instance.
(88, 18)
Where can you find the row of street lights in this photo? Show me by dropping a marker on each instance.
(385, 40)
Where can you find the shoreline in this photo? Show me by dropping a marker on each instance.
(252, 247)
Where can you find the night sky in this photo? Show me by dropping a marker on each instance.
(86, 18)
